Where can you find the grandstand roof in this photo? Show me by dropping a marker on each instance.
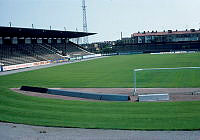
(39, 33)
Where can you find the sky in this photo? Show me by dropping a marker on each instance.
(107, 18)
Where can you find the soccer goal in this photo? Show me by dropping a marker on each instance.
(167, 78)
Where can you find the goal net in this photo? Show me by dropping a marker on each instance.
(170, 80)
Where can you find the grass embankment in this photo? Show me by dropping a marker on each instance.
(109, 72)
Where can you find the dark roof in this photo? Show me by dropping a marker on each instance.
(39, 33)
(170, 32)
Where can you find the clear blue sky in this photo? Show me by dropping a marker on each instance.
(108, 18)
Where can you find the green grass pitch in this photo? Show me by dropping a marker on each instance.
(116, 71)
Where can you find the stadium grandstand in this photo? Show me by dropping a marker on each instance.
(154, 41)
(24, 47)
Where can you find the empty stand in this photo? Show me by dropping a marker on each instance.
(20, 54)
(70, 49)
(28, 53)
(27, 45)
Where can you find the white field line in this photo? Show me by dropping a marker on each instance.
(168, 68)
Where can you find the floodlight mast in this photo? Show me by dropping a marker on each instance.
(85, 39)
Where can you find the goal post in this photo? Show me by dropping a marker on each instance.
(155, 69)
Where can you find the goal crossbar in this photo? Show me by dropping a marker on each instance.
(136, 70)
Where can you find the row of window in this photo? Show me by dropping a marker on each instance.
(166, 38)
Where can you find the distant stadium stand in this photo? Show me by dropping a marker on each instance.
(166, 41)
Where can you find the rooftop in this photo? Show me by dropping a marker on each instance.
(169, 32)
(39, 33)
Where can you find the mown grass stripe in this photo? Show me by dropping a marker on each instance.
(114, 71)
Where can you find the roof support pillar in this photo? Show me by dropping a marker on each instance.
(66, 42)
(1, 40)
(7, 40)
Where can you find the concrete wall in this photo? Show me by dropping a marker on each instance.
(153, 97)
(95, 96)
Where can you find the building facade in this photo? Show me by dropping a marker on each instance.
(155, 41)
(166, 36)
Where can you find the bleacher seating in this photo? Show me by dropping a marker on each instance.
(12, 55)
(71, 50)
(28, 53)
